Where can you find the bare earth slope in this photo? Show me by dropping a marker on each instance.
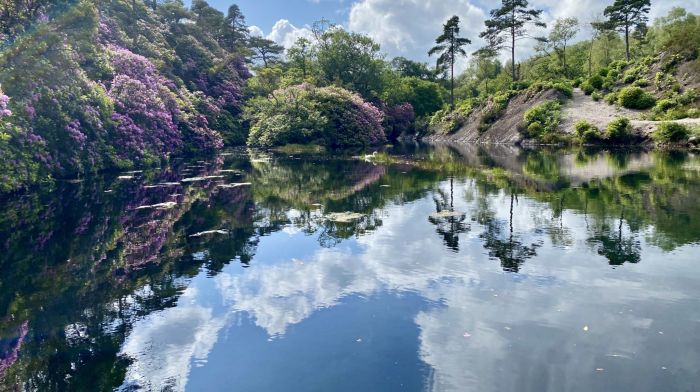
(583, 107)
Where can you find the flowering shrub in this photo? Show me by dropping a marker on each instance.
(398, 119)
(92, 89)
(330, 116)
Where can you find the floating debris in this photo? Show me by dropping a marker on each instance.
(210, 232)
(599, 369)
(385, 186)
(230, 171)
(197, 179)
(235, 185)
(344, 217)
(125, 178)
(162, 185)
(108, 191)
(467, 335)
(134, 172)
(160, 206)
(585, 328)
(447, 214)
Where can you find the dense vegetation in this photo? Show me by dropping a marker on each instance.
(89, 85)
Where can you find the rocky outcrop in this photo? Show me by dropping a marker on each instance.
(505, 127)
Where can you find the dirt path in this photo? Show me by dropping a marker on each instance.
(583, 107)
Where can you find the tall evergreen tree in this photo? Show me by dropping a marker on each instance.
(508, 25)
(266, 50)
(626, 15)
(449, 46)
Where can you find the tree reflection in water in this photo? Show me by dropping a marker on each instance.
(449, 223)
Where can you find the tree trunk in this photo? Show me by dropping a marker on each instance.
(627, 41)
(512, 52)
(452, 76)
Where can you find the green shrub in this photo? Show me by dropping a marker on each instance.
(596, 82)
(611, 98)
(693, 113)
(604, 72)
(619, 130)
(587, 132)
(597, 96)
(577, 82)
(587, 88)
(303, 114)
(542, 120)
(641, 83)
(635, 98)
(629, 77)
(669, 132)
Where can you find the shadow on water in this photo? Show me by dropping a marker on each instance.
(82, 263)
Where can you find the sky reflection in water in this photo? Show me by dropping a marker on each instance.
(470, 269)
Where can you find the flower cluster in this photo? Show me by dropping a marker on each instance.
(4, 101)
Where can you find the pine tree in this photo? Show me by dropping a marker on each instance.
(624, 15)
(449, 46)
(508, 25)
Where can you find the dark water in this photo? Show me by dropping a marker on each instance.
(460, 269)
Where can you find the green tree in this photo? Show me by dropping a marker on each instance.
(562, 33)
(449, 46)
(410, 68)
(265, 50)
(508, 25)
(485, 66)
(625, 15)
(351, 61)
(301, 55)
(236, 31)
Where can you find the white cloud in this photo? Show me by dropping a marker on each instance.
(256, 31)
(286, 34)
(409, 27)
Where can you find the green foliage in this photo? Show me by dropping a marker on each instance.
(564, 86)
(543, 120)
(596, 81)
(508, 24)
(668, 132)
(610, 98)
(635, 98)
(351, 61)
(449, 46)
(328, 116)
(619, 130)
(587, 132)
(587, 88)
(597, 96)
(424, 95)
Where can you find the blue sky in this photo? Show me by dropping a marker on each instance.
(264, 13)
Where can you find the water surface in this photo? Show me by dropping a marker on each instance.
(444, 269)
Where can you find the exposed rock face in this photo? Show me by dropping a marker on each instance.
(505, 130)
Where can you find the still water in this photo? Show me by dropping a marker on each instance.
(424, 269)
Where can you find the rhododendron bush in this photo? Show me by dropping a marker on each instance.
(92, 89)
(330, 116)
